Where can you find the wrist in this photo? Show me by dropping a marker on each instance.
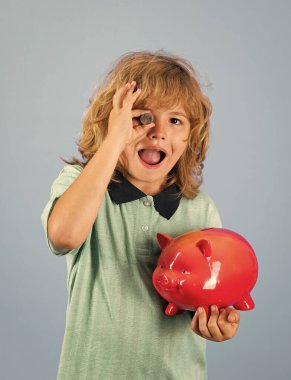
(114, 143)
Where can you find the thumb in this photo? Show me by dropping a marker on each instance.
(233, 317)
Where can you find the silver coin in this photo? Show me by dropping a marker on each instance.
(146, 118)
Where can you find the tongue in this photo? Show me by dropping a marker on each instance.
(151, 157)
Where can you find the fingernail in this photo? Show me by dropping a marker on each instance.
(232, 318)
(213, 308)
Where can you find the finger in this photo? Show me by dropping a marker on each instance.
(233, 316)
(195, 324)
(131, 96)
(141, 130)
(222, 321)
(202, 323)
(194, 320)
(228, 329)
(212, 324)
(119, 95)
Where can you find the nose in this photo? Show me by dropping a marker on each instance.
(166, 282)
(158, 131)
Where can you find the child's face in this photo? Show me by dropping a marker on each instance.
(150, 159)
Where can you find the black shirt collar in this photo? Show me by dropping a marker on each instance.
(166, 202)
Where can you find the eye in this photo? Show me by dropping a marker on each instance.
(184, 271)
(176, 121)
(162, 267)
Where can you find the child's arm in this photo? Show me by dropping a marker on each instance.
(75, 211)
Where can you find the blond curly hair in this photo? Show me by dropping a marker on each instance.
(166, 80)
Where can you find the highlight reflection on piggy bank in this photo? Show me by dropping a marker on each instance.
(212, 266)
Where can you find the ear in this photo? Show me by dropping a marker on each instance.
(205, 248)
(163, 240)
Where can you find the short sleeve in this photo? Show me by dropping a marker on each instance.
(213, 217)
(66, 177)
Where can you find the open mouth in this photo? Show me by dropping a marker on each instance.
(151, 157)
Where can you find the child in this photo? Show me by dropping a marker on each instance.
(104, 214)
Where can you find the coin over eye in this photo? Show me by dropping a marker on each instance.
(146, 118)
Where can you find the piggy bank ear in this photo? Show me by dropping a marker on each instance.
(204, 247)
(163, 240)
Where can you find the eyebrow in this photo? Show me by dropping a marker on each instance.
(173, 113)
(178, 113)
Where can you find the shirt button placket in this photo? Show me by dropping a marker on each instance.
(144, 220)
(147, 203)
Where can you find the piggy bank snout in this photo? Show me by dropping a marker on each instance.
(167, 282)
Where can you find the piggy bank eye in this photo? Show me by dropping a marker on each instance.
(162, 267)
(184, 271)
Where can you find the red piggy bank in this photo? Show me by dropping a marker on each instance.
(212, 266)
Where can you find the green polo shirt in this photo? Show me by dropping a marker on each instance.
(115, 322)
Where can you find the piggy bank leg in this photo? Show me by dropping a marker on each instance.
(246, 303)
(173, 309)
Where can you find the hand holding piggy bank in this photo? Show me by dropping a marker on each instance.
(212, 266)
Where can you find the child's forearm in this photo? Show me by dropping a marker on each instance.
(76, 210)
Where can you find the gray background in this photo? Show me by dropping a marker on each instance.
(53, 53)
